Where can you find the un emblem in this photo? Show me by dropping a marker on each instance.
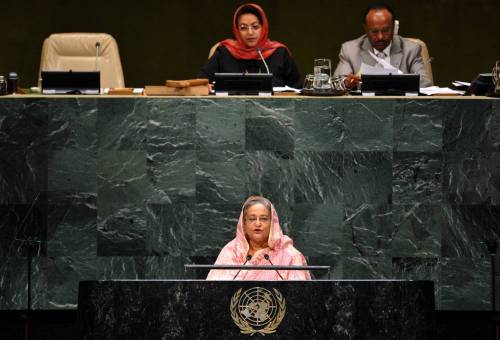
(257, 310)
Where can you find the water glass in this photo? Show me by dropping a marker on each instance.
(496, 77)
(322, 81)
(308, 82)
(323, 65)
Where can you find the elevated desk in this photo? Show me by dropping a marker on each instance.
(245, 309)
(102, 188)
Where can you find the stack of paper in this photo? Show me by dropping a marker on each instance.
(436, 91)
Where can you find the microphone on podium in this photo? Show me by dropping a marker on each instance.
(248, 258)
(268, 259)
(263, 60)
(97, 47)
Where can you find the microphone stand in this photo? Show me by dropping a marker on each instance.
(97, 47)
(272, 264)
(492, 245)
(263, 60)
(26, 317)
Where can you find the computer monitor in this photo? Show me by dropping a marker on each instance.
(71, 82)
(253, 84)
(390, 84)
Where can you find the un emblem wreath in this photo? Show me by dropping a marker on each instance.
(257, 310)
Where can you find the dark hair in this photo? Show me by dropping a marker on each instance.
(253, 200)
(379, 6)
(248, 9)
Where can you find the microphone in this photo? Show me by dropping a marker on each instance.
(247, 259)
(267, 258)
(97, 47)
(263, 60)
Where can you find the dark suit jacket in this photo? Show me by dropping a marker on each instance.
(406, 55)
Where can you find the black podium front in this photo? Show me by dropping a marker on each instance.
(382, 309)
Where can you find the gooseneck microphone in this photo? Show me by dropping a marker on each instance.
(263, 60)
(268, 259)
(97, 47)
(248, 258)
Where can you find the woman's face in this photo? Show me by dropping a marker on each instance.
(257, 224)
(250, 29)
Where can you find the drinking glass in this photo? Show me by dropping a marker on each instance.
(322, 82)
(496, 77)
(323, 65)
(308, 82)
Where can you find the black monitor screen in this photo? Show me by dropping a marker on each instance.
(71, 81)
(243, 83)
(390, 84)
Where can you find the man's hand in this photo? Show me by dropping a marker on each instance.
(352, 80)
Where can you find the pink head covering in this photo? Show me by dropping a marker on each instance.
(280, 250)
(276, 238)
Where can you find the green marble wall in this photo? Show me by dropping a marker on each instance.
(126, 188)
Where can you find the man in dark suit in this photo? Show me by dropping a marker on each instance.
(380, 40)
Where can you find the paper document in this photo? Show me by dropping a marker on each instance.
(368, 69)
(285, 88)
(385, 69)
(460, 83)
(436, 90)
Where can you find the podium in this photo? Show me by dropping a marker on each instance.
(198, 309)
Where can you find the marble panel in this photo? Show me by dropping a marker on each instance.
(413, 268)
(171, 175)
(23, 174)
(369, 125)
(467, 230)
(494, 126)
(23, 150)
(319, 125)
(122, 180)
(466, 126)
(172, 267)
(220, 176)
(417, 177)
(122, 124)
(220, 124)
(55, 280)
(124, 232)
(418, 125)
(72, 124)
(23, 229)
(366, 267)
(472, 178)
(318, 177)
(171, 125)
(72, 230)
(72, 171)
(13, 283)
(417, 230)
(270, 133)
(269, 175)
(171, 228)
(368, 231)
(214, 226)
(318, 229)
(24, 123)
(367, 178)
(465, 284)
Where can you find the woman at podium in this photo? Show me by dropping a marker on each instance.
(259, 241)
(251, 46)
